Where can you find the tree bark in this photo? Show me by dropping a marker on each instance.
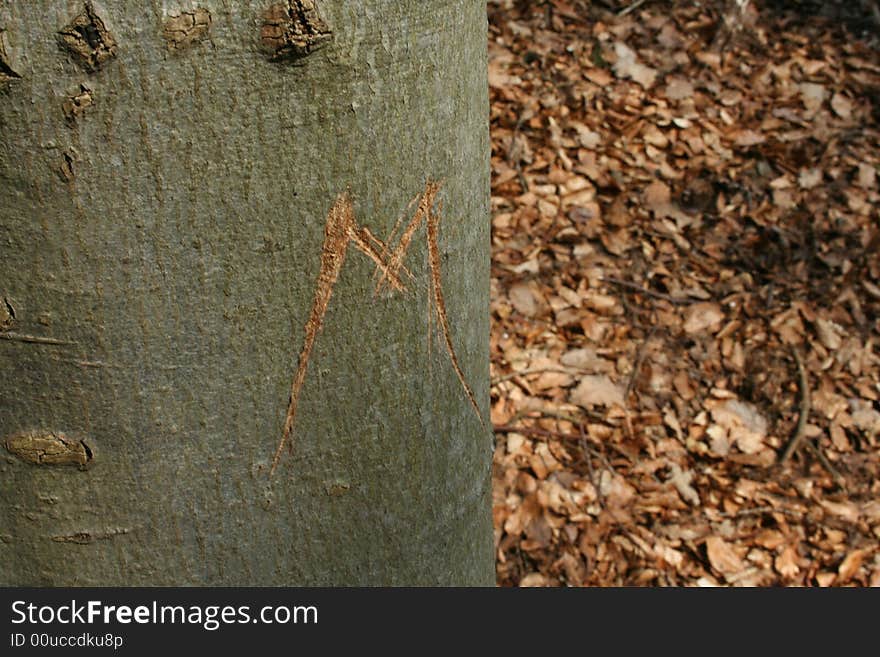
(166, 174)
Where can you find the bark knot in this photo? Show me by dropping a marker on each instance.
(87, 38)
(7, 314)
(42, 447)
(76, 103)
(189, 27)
(293, 30)
(7, 73)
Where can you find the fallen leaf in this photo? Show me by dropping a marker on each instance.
(614, 489)
(524, 300)
(548, 380)
(786, 563)
(810, 178)
(586, 137)
(748, 138)
(681, 480)
(851, 564)
(499, 78)
(867, 178)
(532, 580)
(657, 195)
(828, 333)
(744, 425)
(597, 390)
(723, 557)
(701, 317)
(679, 88)
(842, 106)
(628, 67)
(846, 510)
(586, 359)
(813, 96)
(864, 416)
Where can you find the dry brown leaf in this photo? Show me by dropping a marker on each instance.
(601, 303)
(499, 78)
(701, 317)
(874, 582)
(524, 299)
(597, 390)
(740, 183)
(848, 511)
(723, 557)
(548, 380)
(748, 138)
(864, 416)
(770, 539)
(534, 580)
(786, 563)
(741, 423)
(829, 333)
(810, 178)
(657, 195)
(586, 359)
(813, 96)
(627, 66)
(681, 480)
(842, 106)
(851, 564)
(867, 177)
(614, 489)
(678, 88)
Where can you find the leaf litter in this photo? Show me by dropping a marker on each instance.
(684, 234)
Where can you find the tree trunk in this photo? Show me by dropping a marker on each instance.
(194, 200)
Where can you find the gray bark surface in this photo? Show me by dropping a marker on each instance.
(161, 223)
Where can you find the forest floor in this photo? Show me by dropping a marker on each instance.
(685, 295)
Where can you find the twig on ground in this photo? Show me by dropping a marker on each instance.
(538, 370)
(642, 290)
(804, 411)
(559, 415)
(631, 8)
(640, 356)
(839, 479)
(534, 431)
(548, 433)
(588, 457)
(761, 510)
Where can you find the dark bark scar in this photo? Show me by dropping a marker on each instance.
(49, 448)
(88, 537)
(76, 103)
(7, 314)
(87, 38)
(66, 170)
(340, 229)
(182, 30)
(293, 29)
(7, 73)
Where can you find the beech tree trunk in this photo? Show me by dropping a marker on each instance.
(166, 174)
